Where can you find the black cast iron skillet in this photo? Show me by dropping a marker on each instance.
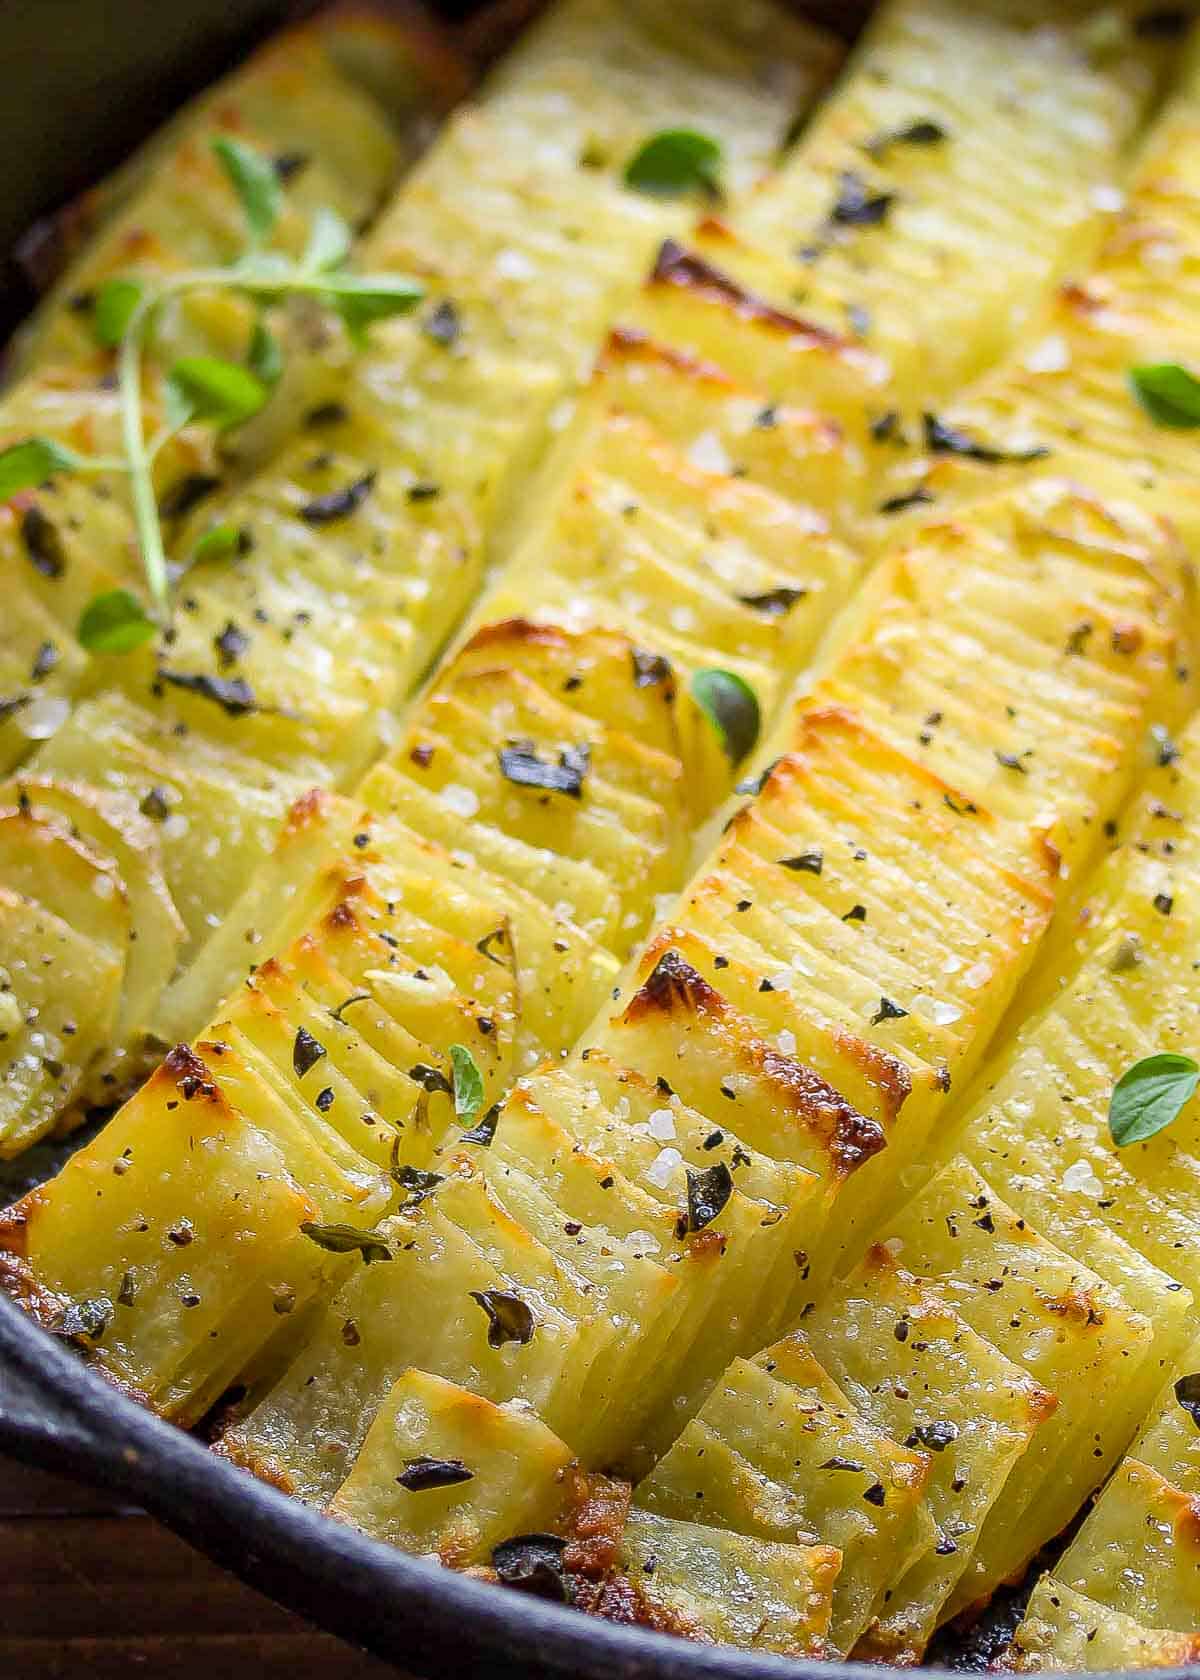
(75, 71)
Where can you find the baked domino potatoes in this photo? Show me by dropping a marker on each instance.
(661, 837)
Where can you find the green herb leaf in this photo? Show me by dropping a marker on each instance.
(111, 314)
(115, 622)
(675, 161)
(253, 178)
(25, 465)
(1169, 394)
(329, 241)
(1149, 1095)
(264, 358)
(223, 392)
(360, 301)
(216, 543)
(345, 1239)
(467, 1083)
(731, 706)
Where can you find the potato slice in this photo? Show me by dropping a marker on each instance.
(722, 1588)
(444, 1472)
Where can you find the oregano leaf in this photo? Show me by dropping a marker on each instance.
(1169, 394)
(1150, 1095)
(731, 706)
(467, 1083)
(675, 161)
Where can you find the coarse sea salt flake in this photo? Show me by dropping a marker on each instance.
(665, 1164)
(709, 454)
(464, 801)
(1081, 1176)
(661, 1125)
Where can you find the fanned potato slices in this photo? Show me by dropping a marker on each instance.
(952, 175)
(963, 652)
(1069, 390)
(1065, 1630)
(1136, 1552)
(145, 1279)
(915, 1368)
(1072, 1331)
(721, 1588)
(539, 1112)
(445, 1472)
(1130, 1572)
(780, 1454)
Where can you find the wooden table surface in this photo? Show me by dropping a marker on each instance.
(91, 1592)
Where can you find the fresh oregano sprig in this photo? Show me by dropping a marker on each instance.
(208, 389)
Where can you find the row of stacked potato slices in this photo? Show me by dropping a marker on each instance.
(763, 1208)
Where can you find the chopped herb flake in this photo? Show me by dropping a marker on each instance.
(510, 1319)
(420, 1474)
(347, 1239)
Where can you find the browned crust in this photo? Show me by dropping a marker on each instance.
(676, 266)
(596, 1512)
(674, 987)
(191, 1078)
(618, 1599)
(508, 630)
(632, 344)
(257, 1464)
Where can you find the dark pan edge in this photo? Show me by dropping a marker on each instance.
(57, 1414)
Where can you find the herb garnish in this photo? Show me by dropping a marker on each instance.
(1187, 1392)
(86, 1321)
(533, 1563)
(421, 1473)
(338, 504)
(775, 603)
(808, 863)
(42, 543)
(887, 1011)
(519, 763)
(1150, 1095)
(509, 1318)
(114, 622)
(484, 1133)
(943, 439)
(676, 161)
(233, 694)
(414, 1180)
(923, 132)
(467, 1083)
(306, 1052)
(346, 1239)
(1169, 394)
(498, 936)
(126, 312)
(731, 706)
(857, 205)
(920, 497)
(707, 1193)
(649, 669)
